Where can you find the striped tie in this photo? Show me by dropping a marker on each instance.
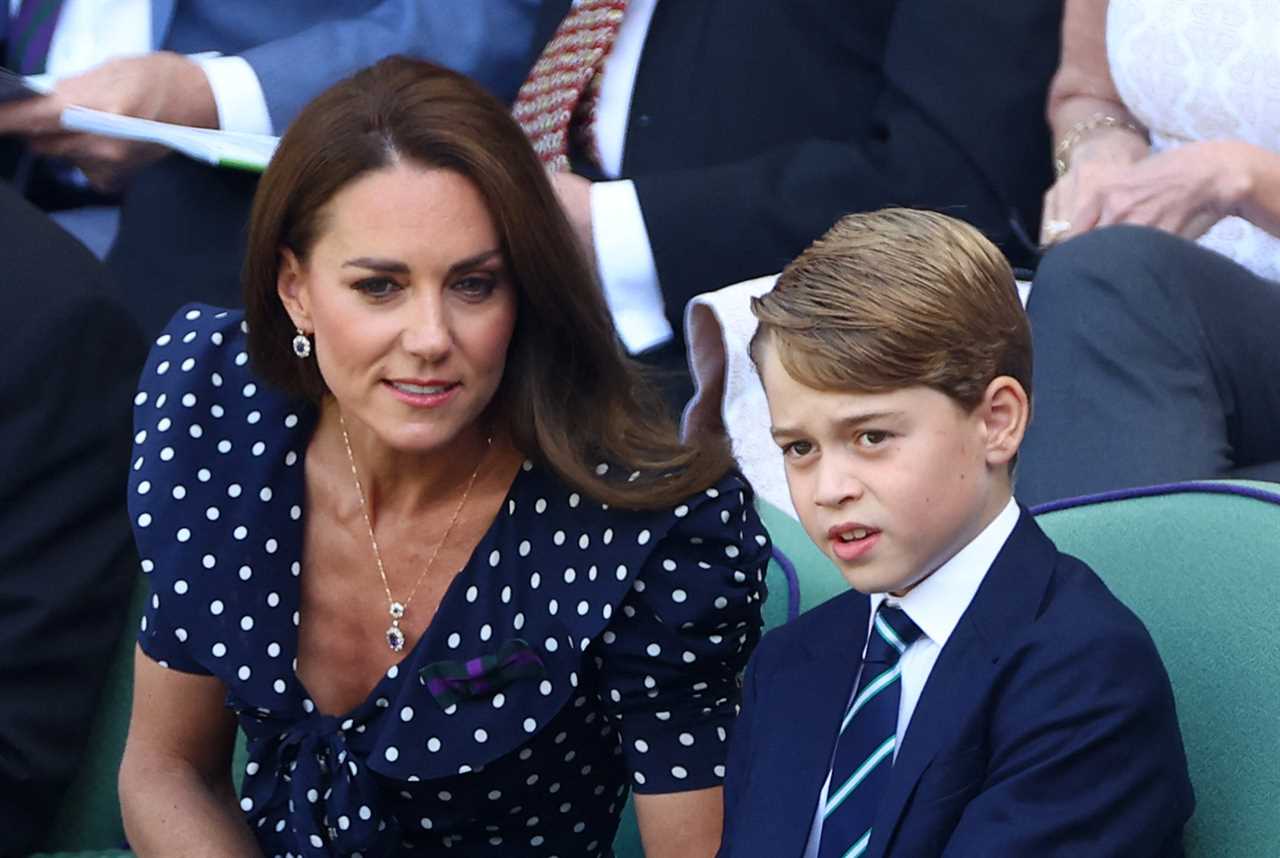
(30, 34)
(559, 96)
(868, 736)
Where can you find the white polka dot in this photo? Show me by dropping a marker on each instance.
(622, 573)
(219, 650)
(166, 454)
(392, 754)
(481, 735)
(495, 557)
(721, 602)
(688, 657)
(224, 446)
(273, 650)
(608, 535)
(679, 772)
(535, 580)
(583, 608)
(433, 744)
(188, 364)
(258, 448)
(679, 596)
(653, 650)
(144, 487)
(530, 725)
(162, 367)
(406, 714)
(455, 640)
(486, 632)
(686, 739)
(719, 770)
(525, 547)
(244, 672)
(144, 520)
(584, 541)
(180, 587)
(195, 430)
(544, 688)
(540, 506)
(241, 533)
(570, 576)
(669, 565)
(425, 822)
(253, 417)
(279, 686)
(681, 511)
(246, 623)
(518, 622)
(215, 607)
(641, 745)
(245, 573)
(265, 494)
(271, 546)
(365, 813)
(316, 841)
(208, 561)
(251, 768)
(180, 634)
(472, 593)
(140, 399)
(499, 700)
(558, 537)
(505, 595)
(574, 500)
(731, 551)
(551, 644)
(639, 777)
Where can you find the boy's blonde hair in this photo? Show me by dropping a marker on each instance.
(894, 299)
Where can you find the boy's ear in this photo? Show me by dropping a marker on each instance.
(1005, 411)
(292, 287)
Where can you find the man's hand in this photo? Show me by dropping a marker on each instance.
(575, 198)
(162, 85)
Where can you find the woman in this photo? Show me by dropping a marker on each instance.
(419, 525)
(1155, 318)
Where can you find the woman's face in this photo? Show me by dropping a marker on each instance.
(410, 303)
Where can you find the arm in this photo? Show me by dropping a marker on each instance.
(489, 40)
(1086, 756)
(1112, 178)
(682, 824)
(176, 792)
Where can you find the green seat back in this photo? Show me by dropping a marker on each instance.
(1202, 570)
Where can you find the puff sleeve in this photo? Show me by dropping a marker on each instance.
(672, 662)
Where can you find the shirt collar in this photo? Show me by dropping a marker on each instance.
(937, 603)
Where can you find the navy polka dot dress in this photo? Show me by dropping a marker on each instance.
(582, 651)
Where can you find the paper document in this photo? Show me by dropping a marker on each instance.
(233, 149)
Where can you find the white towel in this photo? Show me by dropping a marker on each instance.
(727, 391)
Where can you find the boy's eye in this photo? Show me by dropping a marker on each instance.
(797, 449)
(377, 287)
(872, 438)
(475, 286)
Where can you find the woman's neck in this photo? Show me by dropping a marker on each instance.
(397, 482)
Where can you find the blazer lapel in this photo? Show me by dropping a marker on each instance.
(1009, 598)
(806, 699)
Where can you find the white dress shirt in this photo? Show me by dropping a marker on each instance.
(936, 605)
(624, 257)
(90, 32)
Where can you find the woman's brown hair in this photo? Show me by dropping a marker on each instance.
(570, 397)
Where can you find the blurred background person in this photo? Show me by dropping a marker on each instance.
(1155, 318)
(711, 142)
(68, 364)
(180, 223)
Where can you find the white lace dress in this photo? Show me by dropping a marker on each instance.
(1201, 70)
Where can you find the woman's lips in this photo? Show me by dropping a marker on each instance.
(423, 394)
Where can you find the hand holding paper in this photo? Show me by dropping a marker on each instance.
(160, 86)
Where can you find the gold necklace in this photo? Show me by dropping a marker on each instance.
(395, 636)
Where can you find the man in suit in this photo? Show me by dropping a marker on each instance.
(730, 133)
(68, 362)
(181, 224)
(977, 693)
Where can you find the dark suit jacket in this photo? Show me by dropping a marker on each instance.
(69, 360)
(756, 124)
(1046, 728)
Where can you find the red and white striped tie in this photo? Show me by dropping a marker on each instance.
(557, 102)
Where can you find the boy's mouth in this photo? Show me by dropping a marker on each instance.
(851, 540)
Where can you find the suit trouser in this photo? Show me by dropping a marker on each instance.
(1155, 361)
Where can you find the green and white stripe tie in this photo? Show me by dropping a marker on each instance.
(868, 737)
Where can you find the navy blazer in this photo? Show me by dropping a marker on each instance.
(1046, 728)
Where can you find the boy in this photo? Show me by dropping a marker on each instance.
(977, 693)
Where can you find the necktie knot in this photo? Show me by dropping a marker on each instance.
(891, 633)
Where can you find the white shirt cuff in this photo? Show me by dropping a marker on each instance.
(242, 105)
(627, 270)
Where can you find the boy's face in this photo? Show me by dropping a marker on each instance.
(888, 485)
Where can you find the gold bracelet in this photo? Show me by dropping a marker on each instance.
(1083, 128)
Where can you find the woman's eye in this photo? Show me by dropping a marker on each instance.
(797, 449)
(476, 287)
(377, 287)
